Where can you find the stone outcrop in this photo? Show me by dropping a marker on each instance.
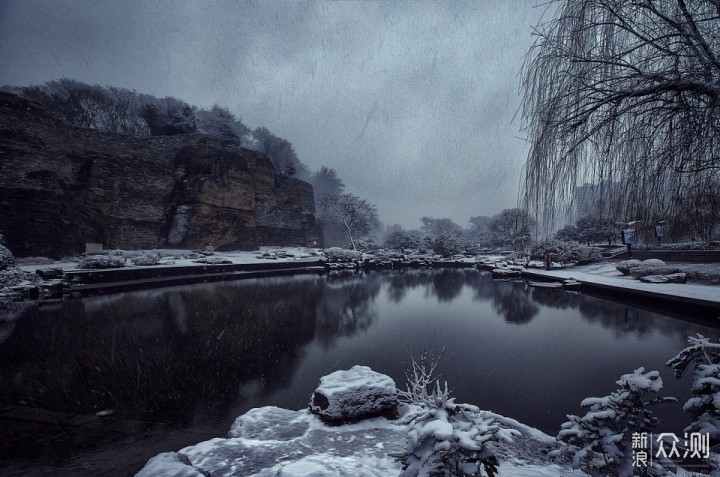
(62, 186)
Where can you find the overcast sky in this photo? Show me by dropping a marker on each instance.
(411, 102)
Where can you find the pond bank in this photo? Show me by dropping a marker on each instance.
(702, 301)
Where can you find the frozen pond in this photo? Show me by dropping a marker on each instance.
(176, 366)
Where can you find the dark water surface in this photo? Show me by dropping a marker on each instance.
(177, 365)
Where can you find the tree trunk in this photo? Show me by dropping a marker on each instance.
(352, 242)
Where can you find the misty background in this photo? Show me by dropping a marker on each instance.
(411, 102)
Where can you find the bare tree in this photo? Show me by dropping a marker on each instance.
(512, 227)
(355, 214)
(623, 94)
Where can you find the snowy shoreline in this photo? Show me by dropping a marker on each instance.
(203, 267)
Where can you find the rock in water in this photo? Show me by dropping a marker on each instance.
(353, 395)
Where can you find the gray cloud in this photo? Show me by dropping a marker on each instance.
(411, 102)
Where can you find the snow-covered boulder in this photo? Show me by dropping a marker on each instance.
(6, 258)
(669, 278)
(645, 270)
(676, 278)
(272, 442)
(214, 261)
(353, 395)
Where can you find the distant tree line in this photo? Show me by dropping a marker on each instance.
(510, 229)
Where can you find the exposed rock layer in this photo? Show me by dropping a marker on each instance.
(62, 186)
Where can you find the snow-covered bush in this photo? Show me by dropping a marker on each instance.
(651, 266)
(625, 266)
(147, 258)
(566, 252)
(601, 440)
(653, 262)
(677, 246)
(447, 245)
(366, 244)
(446, 439)
(704, 405)
(7, 260)
(101, 261)
(337, 254)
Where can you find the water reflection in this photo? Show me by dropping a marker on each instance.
(346, 307)
(199, 355)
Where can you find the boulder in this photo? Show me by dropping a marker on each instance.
(676, 278)
(353, 395)
(644, 270)
(654, 279)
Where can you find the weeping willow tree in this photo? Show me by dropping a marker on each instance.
(624, 95)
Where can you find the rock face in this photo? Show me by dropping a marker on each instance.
(62, 186)
(352, 395)
(6, 259)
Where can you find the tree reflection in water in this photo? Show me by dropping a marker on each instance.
(347, 306)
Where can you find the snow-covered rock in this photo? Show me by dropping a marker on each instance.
(654, 279)
(676, 278)
(355, 394)
(271, 442)
(669, 278)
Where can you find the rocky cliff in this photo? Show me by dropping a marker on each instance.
(62, 186)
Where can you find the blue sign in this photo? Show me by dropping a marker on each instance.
(629, 237)
(659, 231)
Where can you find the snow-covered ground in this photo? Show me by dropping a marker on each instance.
(180, 258)
(606, 274)
(270, 442)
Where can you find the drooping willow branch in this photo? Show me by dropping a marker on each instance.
(623, 95)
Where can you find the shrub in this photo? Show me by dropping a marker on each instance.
(101, 261)
(566, 252)
(601, 440)
(625, 266)
(148, 258)
(337, 254)
(704, 405)
(446, 439)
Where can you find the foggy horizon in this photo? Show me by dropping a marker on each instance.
(412, 103)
